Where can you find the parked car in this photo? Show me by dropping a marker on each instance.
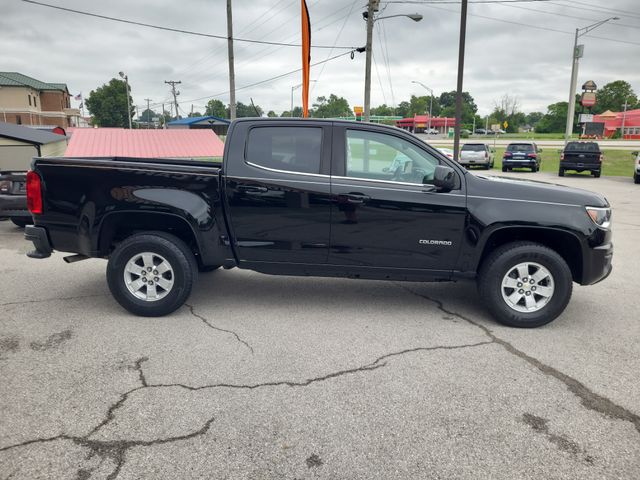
(522, 155)
(476, 154)
(636, 169)
(321, 198)
(480, 131)
(580, 157)
(13, 198)
(447, 151)
(431, 131)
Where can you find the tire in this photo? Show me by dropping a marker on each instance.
(504, 169)
(177, 280)
(596, 174)
(502, 262)
(561, 172)
(21, 221)
(636, 178)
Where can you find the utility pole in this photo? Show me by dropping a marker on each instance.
(624, 115)
(148, 119)
(232, 74)
(371, 8)
(164, 120)
(175, 94)
(463, 34)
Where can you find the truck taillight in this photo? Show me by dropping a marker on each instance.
(562, 156)
(601, 157)
(34, 193)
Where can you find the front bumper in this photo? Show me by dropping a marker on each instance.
(40, 239)
(596, 265)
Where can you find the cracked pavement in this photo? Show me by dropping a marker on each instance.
(304, 378)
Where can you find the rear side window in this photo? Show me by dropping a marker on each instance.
(293, 149)
(473, 147)
(520, 147)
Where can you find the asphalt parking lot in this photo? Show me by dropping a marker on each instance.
(265, 377)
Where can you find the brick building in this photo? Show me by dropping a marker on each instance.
(27, 101)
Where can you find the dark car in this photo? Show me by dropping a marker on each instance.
(320, 198)
(13, 198)
(581, 157)
(522, 155)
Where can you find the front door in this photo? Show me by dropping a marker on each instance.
(386, 211)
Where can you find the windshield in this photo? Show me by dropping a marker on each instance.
(473, 147)
(520, 147)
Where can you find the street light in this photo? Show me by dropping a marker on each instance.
(295, 87)
(430, 101)
(369, 17)
(126, 82)
(578, 51)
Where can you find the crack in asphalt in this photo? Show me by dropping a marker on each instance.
(210, 325)
(116, 450)
(541, 425)
(588, 398)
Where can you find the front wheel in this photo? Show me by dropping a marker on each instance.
(525, 284)
(151, 274)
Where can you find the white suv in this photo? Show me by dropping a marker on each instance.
(476, 154)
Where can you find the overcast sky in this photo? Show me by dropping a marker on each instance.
(504, 53)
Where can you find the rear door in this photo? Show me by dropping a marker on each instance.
(278, 191)
(387, 214)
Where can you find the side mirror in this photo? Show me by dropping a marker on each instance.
(444, 178)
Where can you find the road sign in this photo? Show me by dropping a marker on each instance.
(358, 111)
(505, 124)
(585, 118)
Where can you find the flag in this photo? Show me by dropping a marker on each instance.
(78, 97)
(306, 57)
(81, 105)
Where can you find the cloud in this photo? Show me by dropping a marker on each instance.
(501, 57)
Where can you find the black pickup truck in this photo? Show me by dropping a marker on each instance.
(320, 198)
(581, 157)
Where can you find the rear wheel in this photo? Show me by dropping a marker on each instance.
(636, 177)
(525, 284)
(561, 172)
(504, 169)
(596, 174)
(151, 274)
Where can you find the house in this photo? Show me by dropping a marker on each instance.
(218, 125)
(19, 144)
(419, 123)
(27, 101)
(120, 142)
(613, 121)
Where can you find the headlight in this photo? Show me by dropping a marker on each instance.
(600, 216)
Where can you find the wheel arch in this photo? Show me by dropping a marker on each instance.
(566, 244)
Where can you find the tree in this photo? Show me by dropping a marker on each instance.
(533, 118)
(243, 110)
(217, 109)
(383, 110)
(331, 107)
(297, 112)
(447, 106)
(403, 109)
(195, 114)
(554, 121)
(507, 109)
(148, 116)
(271, 114)
(108, 104)
(612, 97)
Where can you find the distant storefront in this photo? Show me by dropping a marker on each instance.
(615, 121)
(420, 123)
(218, 125)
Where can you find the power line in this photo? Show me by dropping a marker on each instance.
(447, 2)
(558, 14)
(277, 77)
(627, 12)
(177, 30)
(528, 25)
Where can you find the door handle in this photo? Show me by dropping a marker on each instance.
(252, 189)
(357, 198)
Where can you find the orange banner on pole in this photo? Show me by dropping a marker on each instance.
(306, 57)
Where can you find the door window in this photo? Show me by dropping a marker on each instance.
(377, 156)
(293, 149)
